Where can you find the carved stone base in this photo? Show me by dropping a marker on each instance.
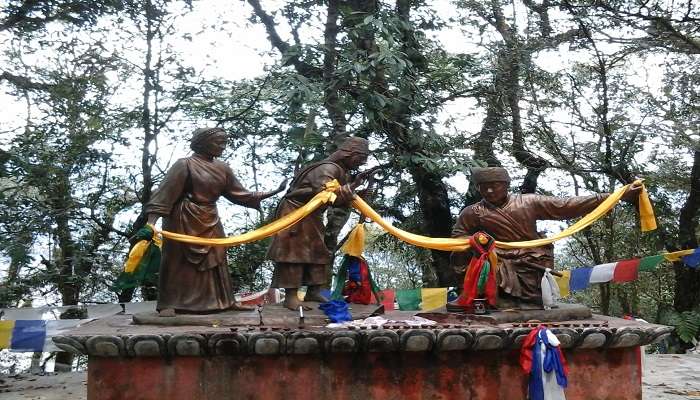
(454, 359)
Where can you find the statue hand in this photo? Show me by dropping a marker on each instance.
(632, 193)
(282, 186)
(365, 175)
(366, 193)
(271, 193)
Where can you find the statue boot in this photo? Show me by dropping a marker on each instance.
(455, 306)
(313, 293)
(291, 299)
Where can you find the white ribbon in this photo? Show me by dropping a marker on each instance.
(550, 290)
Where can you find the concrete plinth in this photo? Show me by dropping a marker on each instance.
(595, 374)
(464, 360)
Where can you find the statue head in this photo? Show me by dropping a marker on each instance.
(210, 142)
(353, 152)
(492, 183)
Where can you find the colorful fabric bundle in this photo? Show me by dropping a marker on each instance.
(141, 268)
(354, 281)
(541, 357)
(358, 287)
(480, 278)
(336, 311)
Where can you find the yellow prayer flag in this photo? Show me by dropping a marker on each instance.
(6, 328)
(647, 220)
(677, 255)
(433, 298)
(135, 255)
(563, 283)
(355, 244)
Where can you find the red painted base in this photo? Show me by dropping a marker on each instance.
(594, 374)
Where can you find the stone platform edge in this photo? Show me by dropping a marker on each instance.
(256, 341)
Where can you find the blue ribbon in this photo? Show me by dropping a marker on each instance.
(552, 361)
(535, 386)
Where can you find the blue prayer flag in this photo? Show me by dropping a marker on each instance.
(580, 278)
(28, 335)
(692, 260)
(336, 310)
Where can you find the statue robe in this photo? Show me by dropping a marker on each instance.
(194, 278)
(515, 221)
(299, 252)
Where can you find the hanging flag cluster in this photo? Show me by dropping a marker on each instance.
(141, 267)
(621, 271)
(354, 282)
(541, 357)
(480, 278)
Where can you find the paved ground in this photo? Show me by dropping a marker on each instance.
(47, 387)
(666, 377)
(671, 377)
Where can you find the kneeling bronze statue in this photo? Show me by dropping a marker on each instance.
(512, 218)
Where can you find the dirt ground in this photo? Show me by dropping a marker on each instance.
(666, 377)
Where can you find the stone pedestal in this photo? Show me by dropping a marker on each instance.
(470, 360)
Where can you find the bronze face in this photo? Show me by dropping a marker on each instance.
(216, 144)
(495, 193)
(357, 159)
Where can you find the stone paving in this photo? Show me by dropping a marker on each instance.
(666, 377)
(671, 376)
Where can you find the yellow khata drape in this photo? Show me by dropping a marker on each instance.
(326, 196)
(647, 220)
(646, 213)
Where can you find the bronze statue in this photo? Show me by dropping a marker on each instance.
(196, 279)
(512, 217)
(300, 255)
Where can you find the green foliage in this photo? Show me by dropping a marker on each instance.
(687, 326)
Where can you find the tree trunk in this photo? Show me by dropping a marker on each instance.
(687, 286)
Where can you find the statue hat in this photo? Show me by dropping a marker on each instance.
(201, 135)
(490, 174)
(354, 145)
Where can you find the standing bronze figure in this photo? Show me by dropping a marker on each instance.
(300, 255)
(513, 217)
(193, 278)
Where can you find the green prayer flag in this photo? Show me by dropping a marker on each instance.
(650, 263)
(408, 299)
(483, 277)
(146, 272)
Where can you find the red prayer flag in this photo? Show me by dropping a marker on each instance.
(626, 271)
(387, 296)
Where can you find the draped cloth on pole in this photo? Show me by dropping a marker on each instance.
(647, 222)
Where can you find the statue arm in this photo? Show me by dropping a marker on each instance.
(236, 193)
(558, 208)
(316, 180)
(168, 192)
